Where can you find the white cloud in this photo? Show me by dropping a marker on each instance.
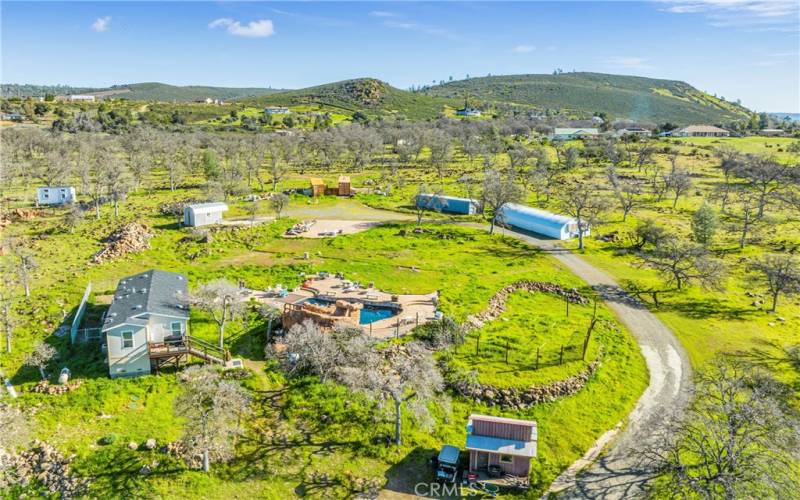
(100, 24)
(627, 62)
(383, 13)
(523, 49)
(254, 29)
(421, 28)
(759, 15)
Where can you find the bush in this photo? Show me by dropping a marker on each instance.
(108, 439)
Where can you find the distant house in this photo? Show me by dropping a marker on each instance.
(772, 132)
(505, 443)
(632, 131)
(467, 111)
(568, 134)
(55, 195)
(203, 214)
(12, 117)
(538, 221)
(276, 110)
(700, 131)
(146, 309)
(82, 98)
(597, 120)
(448, 204)
(207, 100)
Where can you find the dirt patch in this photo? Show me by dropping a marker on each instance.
(329, 228)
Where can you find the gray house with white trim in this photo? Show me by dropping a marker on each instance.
(147, 310)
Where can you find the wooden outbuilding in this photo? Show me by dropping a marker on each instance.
(344, 186)
(317, 187)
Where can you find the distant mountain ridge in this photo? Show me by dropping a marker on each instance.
(147, 91)
(621, 96)
(578, 94)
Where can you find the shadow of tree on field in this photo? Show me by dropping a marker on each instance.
(121, 476)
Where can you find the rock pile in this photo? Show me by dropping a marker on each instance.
(520, 399)
(497, 304)
(128, 238)
(44, 464)
(44, 387)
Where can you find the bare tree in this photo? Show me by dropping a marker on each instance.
(766, 176)
(41, 356)
(739, 439)
(778, 273)
(679, 182)
(583, 200)
(214, 410)
(310, 350)
(7, 285)
(499, 191)
(400, 374)
(276, 160)
(25, 263)
(221, 299)
(278, 202)
(628, 193)
(743, 207)
(118, 180)
(682, 262)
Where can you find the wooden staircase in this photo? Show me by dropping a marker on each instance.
(175, 351)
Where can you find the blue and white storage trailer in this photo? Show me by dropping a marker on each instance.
(447, 204)
(556, 226)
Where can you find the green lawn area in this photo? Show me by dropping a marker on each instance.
(531, 322)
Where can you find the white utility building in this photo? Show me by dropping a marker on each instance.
(203, 214)
(55, 195)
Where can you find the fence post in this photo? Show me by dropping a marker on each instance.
(561, 355)
(477, 345)
(589, 331)
(566, 299)
(537, 358)
(506, 351)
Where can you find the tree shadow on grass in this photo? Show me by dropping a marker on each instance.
(404, 476)
(773, 356)
(120, 476)
(708, 308)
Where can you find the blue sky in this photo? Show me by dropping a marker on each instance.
(745, 49)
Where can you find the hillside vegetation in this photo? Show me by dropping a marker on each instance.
(149, 91)
(630, 97)
(367, 95)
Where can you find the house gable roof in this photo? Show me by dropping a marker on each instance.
(151, 292)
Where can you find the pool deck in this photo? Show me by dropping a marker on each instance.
(414, 308)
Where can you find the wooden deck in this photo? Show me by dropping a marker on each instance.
(177, 350)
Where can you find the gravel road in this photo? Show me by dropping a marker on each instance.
(616, 474)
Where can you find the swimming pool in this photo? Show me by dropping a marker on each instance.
(369, 314)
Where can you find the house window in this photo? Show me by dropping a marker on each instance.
(127, 340)
(177, 328)
(506, 459)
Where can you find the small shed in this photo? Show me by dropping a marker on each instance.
(344, 186)
(317, 187)
(556, 226)
(203, 214)
(55, 195)
(448, 204)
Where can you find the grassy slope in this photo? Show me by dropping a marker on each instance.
(631, 97)
(367, 95)
(467, 266)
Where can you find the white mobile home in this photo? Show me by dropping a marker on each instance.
(542, 222)
(55, 195)
(146, 310)
(203, 214)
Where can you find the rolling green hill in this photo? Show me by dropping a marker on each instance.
(630, 97)
(368, 95)
(150, 91)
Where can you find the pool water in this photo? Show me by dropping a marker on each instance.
(369, 314)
